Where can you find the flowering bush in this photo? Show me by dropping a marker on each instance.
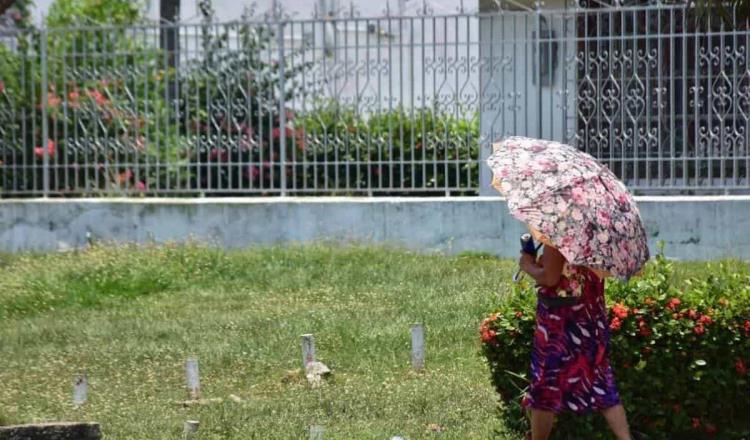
(680, 352)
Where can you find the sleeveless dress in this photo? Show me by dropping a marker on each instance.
(570, 369)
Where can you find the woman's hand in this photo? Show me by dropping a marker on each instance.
(548, 271)
(527, 262)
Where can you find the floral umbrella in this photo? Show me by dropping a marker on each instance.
(572, 202)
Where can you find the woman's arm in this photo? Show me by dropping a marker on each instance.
(548, 270)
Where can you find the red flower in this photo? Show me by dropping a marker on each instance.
(699, 330)
(53, 100)
(696, 423)
(615, 324)
(644, 329)
(705, 320)
(219, 155)
(739, 365)
(276, 132)
(710, 429)
(488, 335)
(97, 96)
(673, 303)
(39, 151)
(620, 311)
(692, 314)
(747, 327)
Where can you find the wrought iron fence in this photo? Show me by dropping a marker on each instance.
(376, 106)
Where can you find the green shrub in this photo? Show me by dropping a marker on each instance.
(414, 151)
(680, 352)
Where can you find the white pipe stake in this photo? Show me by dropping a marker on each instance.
(316, 432)
(191, 427)
(308, 349)
(193, 378)
(80, 390)
(417, 346)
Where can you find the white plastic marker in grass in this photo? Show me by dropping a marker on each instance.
(193, 379)
(417, 346)
(308, 349)
(191, 427)
(397, 438)
(80, 390)
(316, 432)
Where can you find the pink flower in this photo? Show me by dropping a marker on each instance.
(252, 172)
(140, 186)
(747, 327)
(603, 237)
(39, 151)
(699, 330)
(696, 423)
(705, 320)
(125, 176)
(219, 155)
(604, 218)
(578, 195)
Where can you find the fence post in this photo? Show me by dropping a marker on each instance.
(282, 102)
(45, 123)
(538, 64)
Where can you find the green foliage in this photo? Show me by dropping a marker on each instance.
(679, 352)
(82, 12)
(401, 149)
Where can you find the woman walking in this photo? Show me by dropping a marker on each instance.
(570, 368)
(591, 229)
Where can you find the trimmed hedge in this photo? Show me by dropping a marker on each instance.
(680, 351)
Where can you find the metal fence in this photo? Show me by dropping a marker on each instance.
(375, 106)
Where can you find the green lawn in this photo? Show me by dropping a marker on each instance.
(129, 317)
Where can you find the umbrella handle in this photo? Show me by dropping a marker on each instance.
(517, 276)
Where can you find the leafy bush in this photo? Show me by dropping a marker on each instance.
(680, 352)
(98, 114)
(397, 151)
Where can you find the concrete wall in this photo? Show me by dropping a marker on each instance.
(694, 228)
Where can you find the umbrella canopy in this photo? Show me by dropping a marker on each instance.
(572, 202)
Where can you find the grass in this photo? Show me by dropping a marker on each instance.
(129, 317)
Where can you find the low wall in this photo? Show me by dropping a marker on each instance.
(694, 228)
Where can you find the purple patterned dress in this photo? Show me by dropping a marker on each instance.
(570, 369)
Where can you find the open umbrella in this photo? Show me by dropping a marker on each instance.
(572, 202)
